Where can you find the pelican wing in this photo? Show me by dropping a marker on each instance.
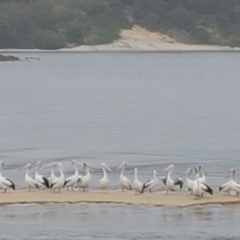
(45, 182)
(224, 187)
(206, 188)
(178, 181)
(9, 183)
(164, 180)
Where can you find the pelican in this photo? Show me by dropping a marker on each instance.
(85, 180)
(189, 182)
(5, 183)
(41, 180)
(74, 179)
(123, 181)
(170, 183)
(58, 182)
(202, 174)
(199, 188)
(52, 176)
(137, 186)
(231, 185)
(150, 184)
(31, 183)
(104, 182)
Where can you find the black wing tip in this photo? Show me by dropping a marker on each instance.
(209, 189)
(12, 184)
(46, 182)
(164, 180)
(179, 182)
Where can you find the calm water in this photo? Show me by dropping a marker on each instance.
(147, 109)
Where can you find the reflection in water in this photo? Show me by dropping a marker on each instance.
(90, 221)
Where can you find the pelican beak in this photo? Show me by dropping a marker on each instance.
(25, 167)
(120, 166)
(90, 168)
(51, 166)
(108, 168)
(77, 163)
(167, 169)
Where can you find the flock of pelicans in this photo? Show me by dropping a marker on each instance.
(196, 187)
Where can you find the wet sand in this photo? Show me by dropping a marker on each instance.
(181, 199)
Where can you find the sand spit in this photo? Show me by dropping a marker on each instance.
(137, 39)
(179, 199)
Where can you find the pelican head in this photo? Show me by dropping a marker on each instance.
(121, 166)
(27, 166)
(106, 167)
(87, 167)
(231, 173)
(52, 165)
(170, 167)
(38, 164)
(201, 169)
(74, 162)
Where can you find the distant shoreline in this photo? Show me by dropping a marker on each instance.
(135, 40)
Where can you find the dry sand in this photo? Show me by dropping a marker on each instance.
(181, 199)
(140, 39)
(137, 39)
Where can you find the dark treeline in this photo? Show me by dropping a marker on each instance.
(53, 24)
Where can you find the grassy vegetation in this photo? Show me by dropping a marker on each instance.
(8, 58)
(54, 24)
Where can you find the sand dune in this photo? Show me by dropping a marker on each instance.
(140, 39)
(180, 199)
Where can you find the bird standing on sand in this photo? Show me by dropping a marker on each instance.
(41, 180)
(150, 184)
(5, 183)
(170, 183)
(137, 186)
(123, 181)
(31, 182)
(104, 181)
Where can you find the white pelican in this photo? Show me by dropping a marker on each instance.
(199, 188)
(41, 180)
(231, 185)
(189, 182)
(202, 174)
(58, 183)
(31, 183)
(170, 183)
(52, 176)
(74, 179)
(150, 184)
(85, 180)
(104, 182)
(5, 183)
(123, 181)
(137, 186)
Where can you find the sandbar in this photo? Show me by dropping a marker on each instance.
(179, 199)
